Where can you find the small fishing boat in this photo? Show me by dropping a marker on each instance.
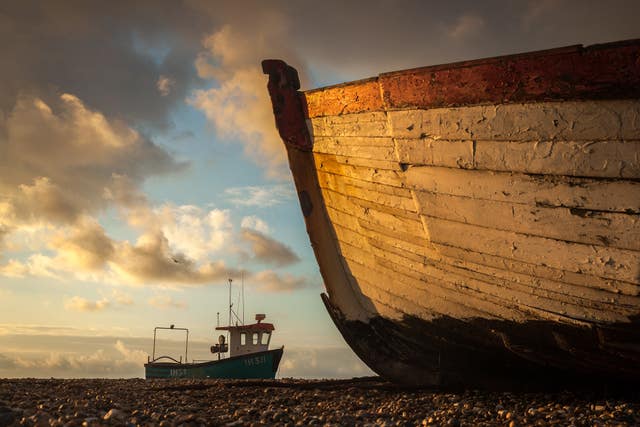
(477, 223)
(247, 345)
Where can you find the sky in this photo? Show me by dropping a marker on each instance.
(140, 167)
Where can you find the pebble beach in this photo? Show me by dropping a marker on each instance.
(294, 402)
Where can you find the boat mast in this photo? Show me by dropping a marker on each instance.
(230, 304)
(242, 281)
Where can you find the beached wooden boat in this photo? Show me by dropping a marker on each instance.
(477, 222)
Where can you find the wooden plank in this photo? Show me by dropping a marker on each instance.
(349, 215)
(330, 164)
(617, 290)
(582, 286)
(607, 120)
(355, 97)
(612, 263)
(392, 304)
(502, 293)
(403, 206)
(348, 185)
(390, 165)
(371, 124)
(432, 296)
(588, 227)
(503, 298)
(394, 234)
(612, 307)
(601, 159)
(532, 190)
(335, 146)
(597, 72)
(327, 144)
(436, 152)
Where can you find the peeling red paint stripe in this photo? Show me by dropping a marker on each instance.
(607, 71)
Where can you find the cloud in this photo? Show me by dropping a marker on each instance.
(121, 298)
(322, 362)
(165, 84)
(86, 246)
(35, 265)
(466, 26)
(270, 281)
(255, 223)
(260, 196)
(239, 106)
(58, 163)
(115, 360)
(268, 250)
(195, 232)
(81, 304)
(69, 52)
(165, 302)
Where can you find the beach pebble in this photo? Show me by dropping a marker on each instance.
(289, 402)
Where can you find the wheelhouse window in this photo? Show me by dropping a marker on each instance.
(255, 338)
(265, 338)
(243, 338)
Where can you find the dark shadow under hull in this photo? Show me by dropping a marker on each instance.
(499, 355)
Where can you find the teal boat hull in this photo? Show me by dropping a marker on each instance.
(263, 364)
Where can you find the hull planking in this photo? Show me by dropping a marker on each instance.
(477, 223)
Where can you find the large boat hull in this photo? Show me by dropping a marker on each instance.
(477, 221)
(261, 365)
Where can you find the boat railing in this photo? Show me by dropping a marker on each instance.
(149, 360)
(170, 328)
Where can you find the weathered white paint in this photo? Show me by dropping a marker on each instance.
(359, 125)
(609, 195)
(608, 120)
(488, 211)
(609, 263)
(576, 302)
(616, 230)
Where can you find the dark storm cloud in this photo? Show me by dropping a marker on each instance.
(355, 39)
(108, 54)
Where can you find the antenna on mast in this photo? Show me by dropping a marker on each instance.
(242, 281)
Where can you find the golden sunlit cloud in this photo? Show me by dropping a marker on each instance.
(270, 281)
(268, 250)
(166, 302)
(239, 106)
(81, 304)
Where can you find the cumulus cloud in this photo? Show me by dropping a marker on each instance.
(57, 164)
(166, 302)
(255, 223)
(195, 232)
(151, 260)
(270, 281)
(81, 304)
(268, 250)
(86, 246)
(239, 106)
(260, 196)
